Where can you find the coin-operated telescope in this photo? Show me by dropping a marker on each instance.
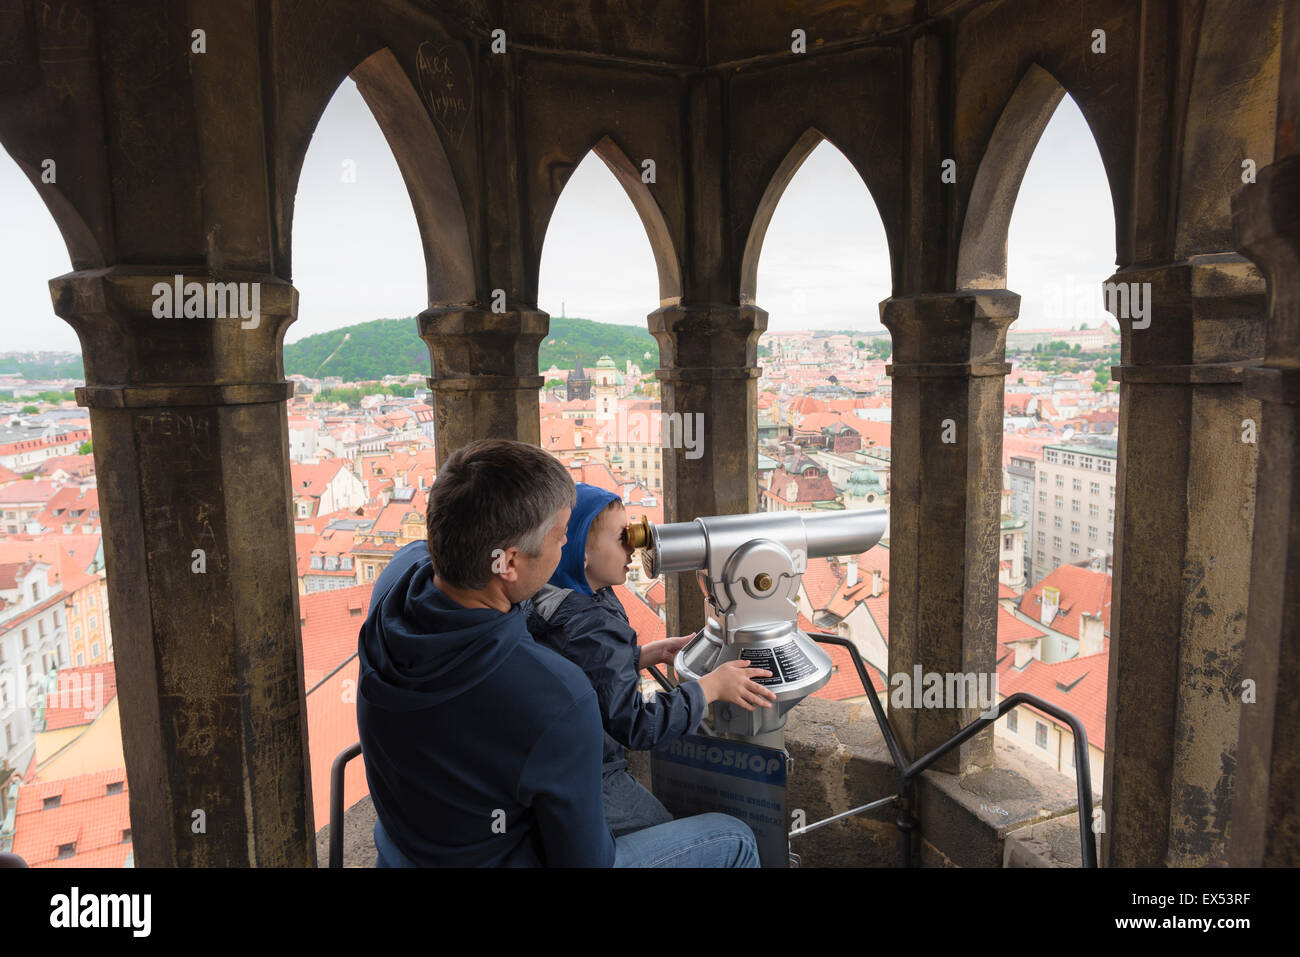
(749, 568)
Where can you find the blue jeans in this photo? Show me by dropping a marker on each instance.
(704, 840)
(629, 806)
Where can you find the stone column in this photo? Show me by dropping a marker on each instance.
(191, 450)
(1266, 818)
(485, 380)
(708, 367)
(946, 502)
(1184, 502)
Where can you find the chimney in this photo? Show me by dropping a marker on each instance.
(1092, 635)
(877, 582)
(1051, 599)
(852, 578)
(1024, 652)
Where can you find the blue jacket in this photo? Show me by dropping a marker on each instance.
(481, 747)
(592, 630)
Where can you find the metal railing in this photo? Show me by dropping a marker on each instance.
(907, 822)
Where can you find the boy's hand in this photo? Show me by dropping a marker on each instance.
(662, 652)
(733, 682)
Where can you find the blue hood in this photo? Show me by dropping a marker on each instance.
(572, 572)
(418, 648)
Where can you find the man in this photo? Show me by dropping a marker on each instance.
(481, 747)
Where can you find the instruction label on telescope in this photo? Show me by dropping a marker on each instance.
(697, 774)
(763, 658)
(787, 663)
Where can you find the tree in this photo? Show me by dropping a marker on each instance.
(85, 449)
(30, 410)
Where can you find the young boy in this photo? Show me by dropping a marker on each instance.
(578, 615)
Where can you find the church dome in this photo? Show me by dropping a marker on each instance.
(864, 482)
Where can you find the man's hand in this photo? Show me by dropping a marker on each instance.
(662, 652)
(732, 682)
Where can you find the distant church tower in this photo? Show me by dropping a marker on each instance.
(579, 385)
(608, 379)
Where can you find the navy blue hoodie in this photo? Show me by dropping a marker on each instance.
(481, 747)
(592, 630)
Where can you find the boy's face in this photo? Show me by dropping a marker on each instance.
(608, 554)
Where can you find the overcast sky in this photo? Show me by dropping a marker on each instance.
(824, 262)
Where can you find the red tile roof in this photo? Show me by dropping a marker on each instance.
(87, 816)
(80, 696)
(1082, 591)
(1078, 685)
(332, 727)
(331, 621)
(1011, 628)
(644, 620)
(27, 492)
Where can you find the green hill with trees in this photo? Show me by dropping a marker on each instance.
(372, 350)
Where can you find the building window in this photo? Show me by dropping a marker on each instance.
(81, 659)
(126, 835)
(1092, 511)
(1040, 734)
(1110, 539)
(9, 737)
(1041, 557)
(1042, 516)
(1074, 504)
(1042, 476)
(1067, 458)
(1094, 488)
(94, 650)
(1042, 496)
(1103, 465)
(1056, 521)
(67, 850)
(1092, 533)
(1085, 461)
(1074, 550)
(1110, 515)
(1013, 721)
(1056, 542)
(51, 802)
(1049, 455)
(113, 787)
(1060, 481)
(1060, 502)
(1078, 486)
(1074, 528)
(1042, 537)
(94, 623)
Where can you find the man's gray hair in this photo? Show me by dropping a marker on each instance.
(492, 494)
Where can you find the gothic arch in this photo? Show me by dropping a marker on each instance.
(426, 169)
(982, 251)
(809, 140)
(628, 175)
